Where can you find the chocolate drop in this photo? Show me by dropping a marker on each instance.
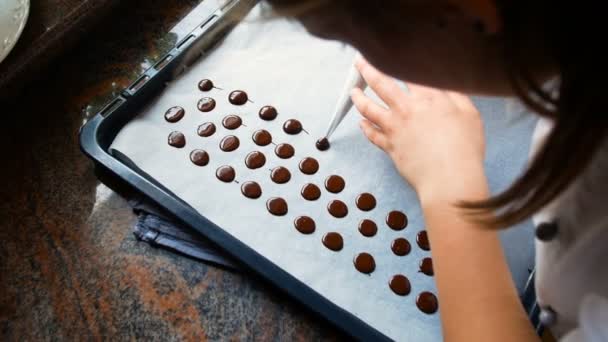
(206, 104)
(261, 137)
(426, 266)
(225, 173)
(232, 122)
(427, 302)
(176, 139)
(400, 285)
(333, 241)
(255, 160)
(292, 126)
(280, 175)
(368, 228)
(334, 184)
(401, 247)
(284, 151)
(199, 157)
(229, 143)
(364, 263)
(268, 113)
(423, 241)
(309, 166)
(205, 85)
(304, 224)
(174, 114)
(251, 190)
(311, 192)
(366, 201)
(396, 220)
(322, 144)
(337, 208)
(276, 206)
(206, 130)
(238, 97)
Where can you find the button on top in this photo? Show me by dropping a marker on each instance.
(546, 231)
(547, 316)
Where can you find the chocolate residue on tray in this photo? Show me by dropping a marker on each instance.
(396, 220)
(232, 122)
(199, 157)
(238, 97)
(255, 160)
(205, 85)
(284, 151)
(176, 139)
(400, 285)
(268, 113)
(426, 266)
(333, 241)
(304, 224)
(206, 104)
(292, 126)
(276, 206)
(229, 143)
(251, 190)
(337, 208)
(225, 173)
(311, 192)
(334, 184)
(366, 201)
(368, 228)
(427, 302)
(261, 137)
(401, 247)
(322, 144)
(280, 175)
(364, 263)
(309, 166)
(423, 240)
(206, 130)
(174, 114)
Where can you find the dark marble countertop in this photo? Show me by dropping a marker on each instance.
(70, 267)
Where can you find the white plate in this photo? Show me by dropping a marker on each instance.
(13, 16)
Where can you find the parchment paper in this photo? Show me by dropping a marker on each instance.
(279, 64)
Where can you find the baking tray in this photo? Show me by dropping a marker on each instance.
(116, 171)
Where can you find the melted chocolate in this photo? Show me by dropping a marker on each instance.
(333, 241)
(304, 224)
(309, 166)
(426, 266)
(396, 220)
(364, 263)
(280, 175)
(206, 104)
(423, 241)
(261, 137)
(232, 122)
(251, 190)
(292, 126)
(366, 201)
(401, 247)
(199, 157)
(311, 192)
(368, 228)
(255, 160)
(238, 97)
(284, 151)
(334, 183)
(322, 144)
(337, 208)
(205, 85)
(225, 173)
(174, 114)
(176, 139)
(206, 130)
(268, 113)
(276, 206)
(427, 302)
(229, 143)
(400, 285)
